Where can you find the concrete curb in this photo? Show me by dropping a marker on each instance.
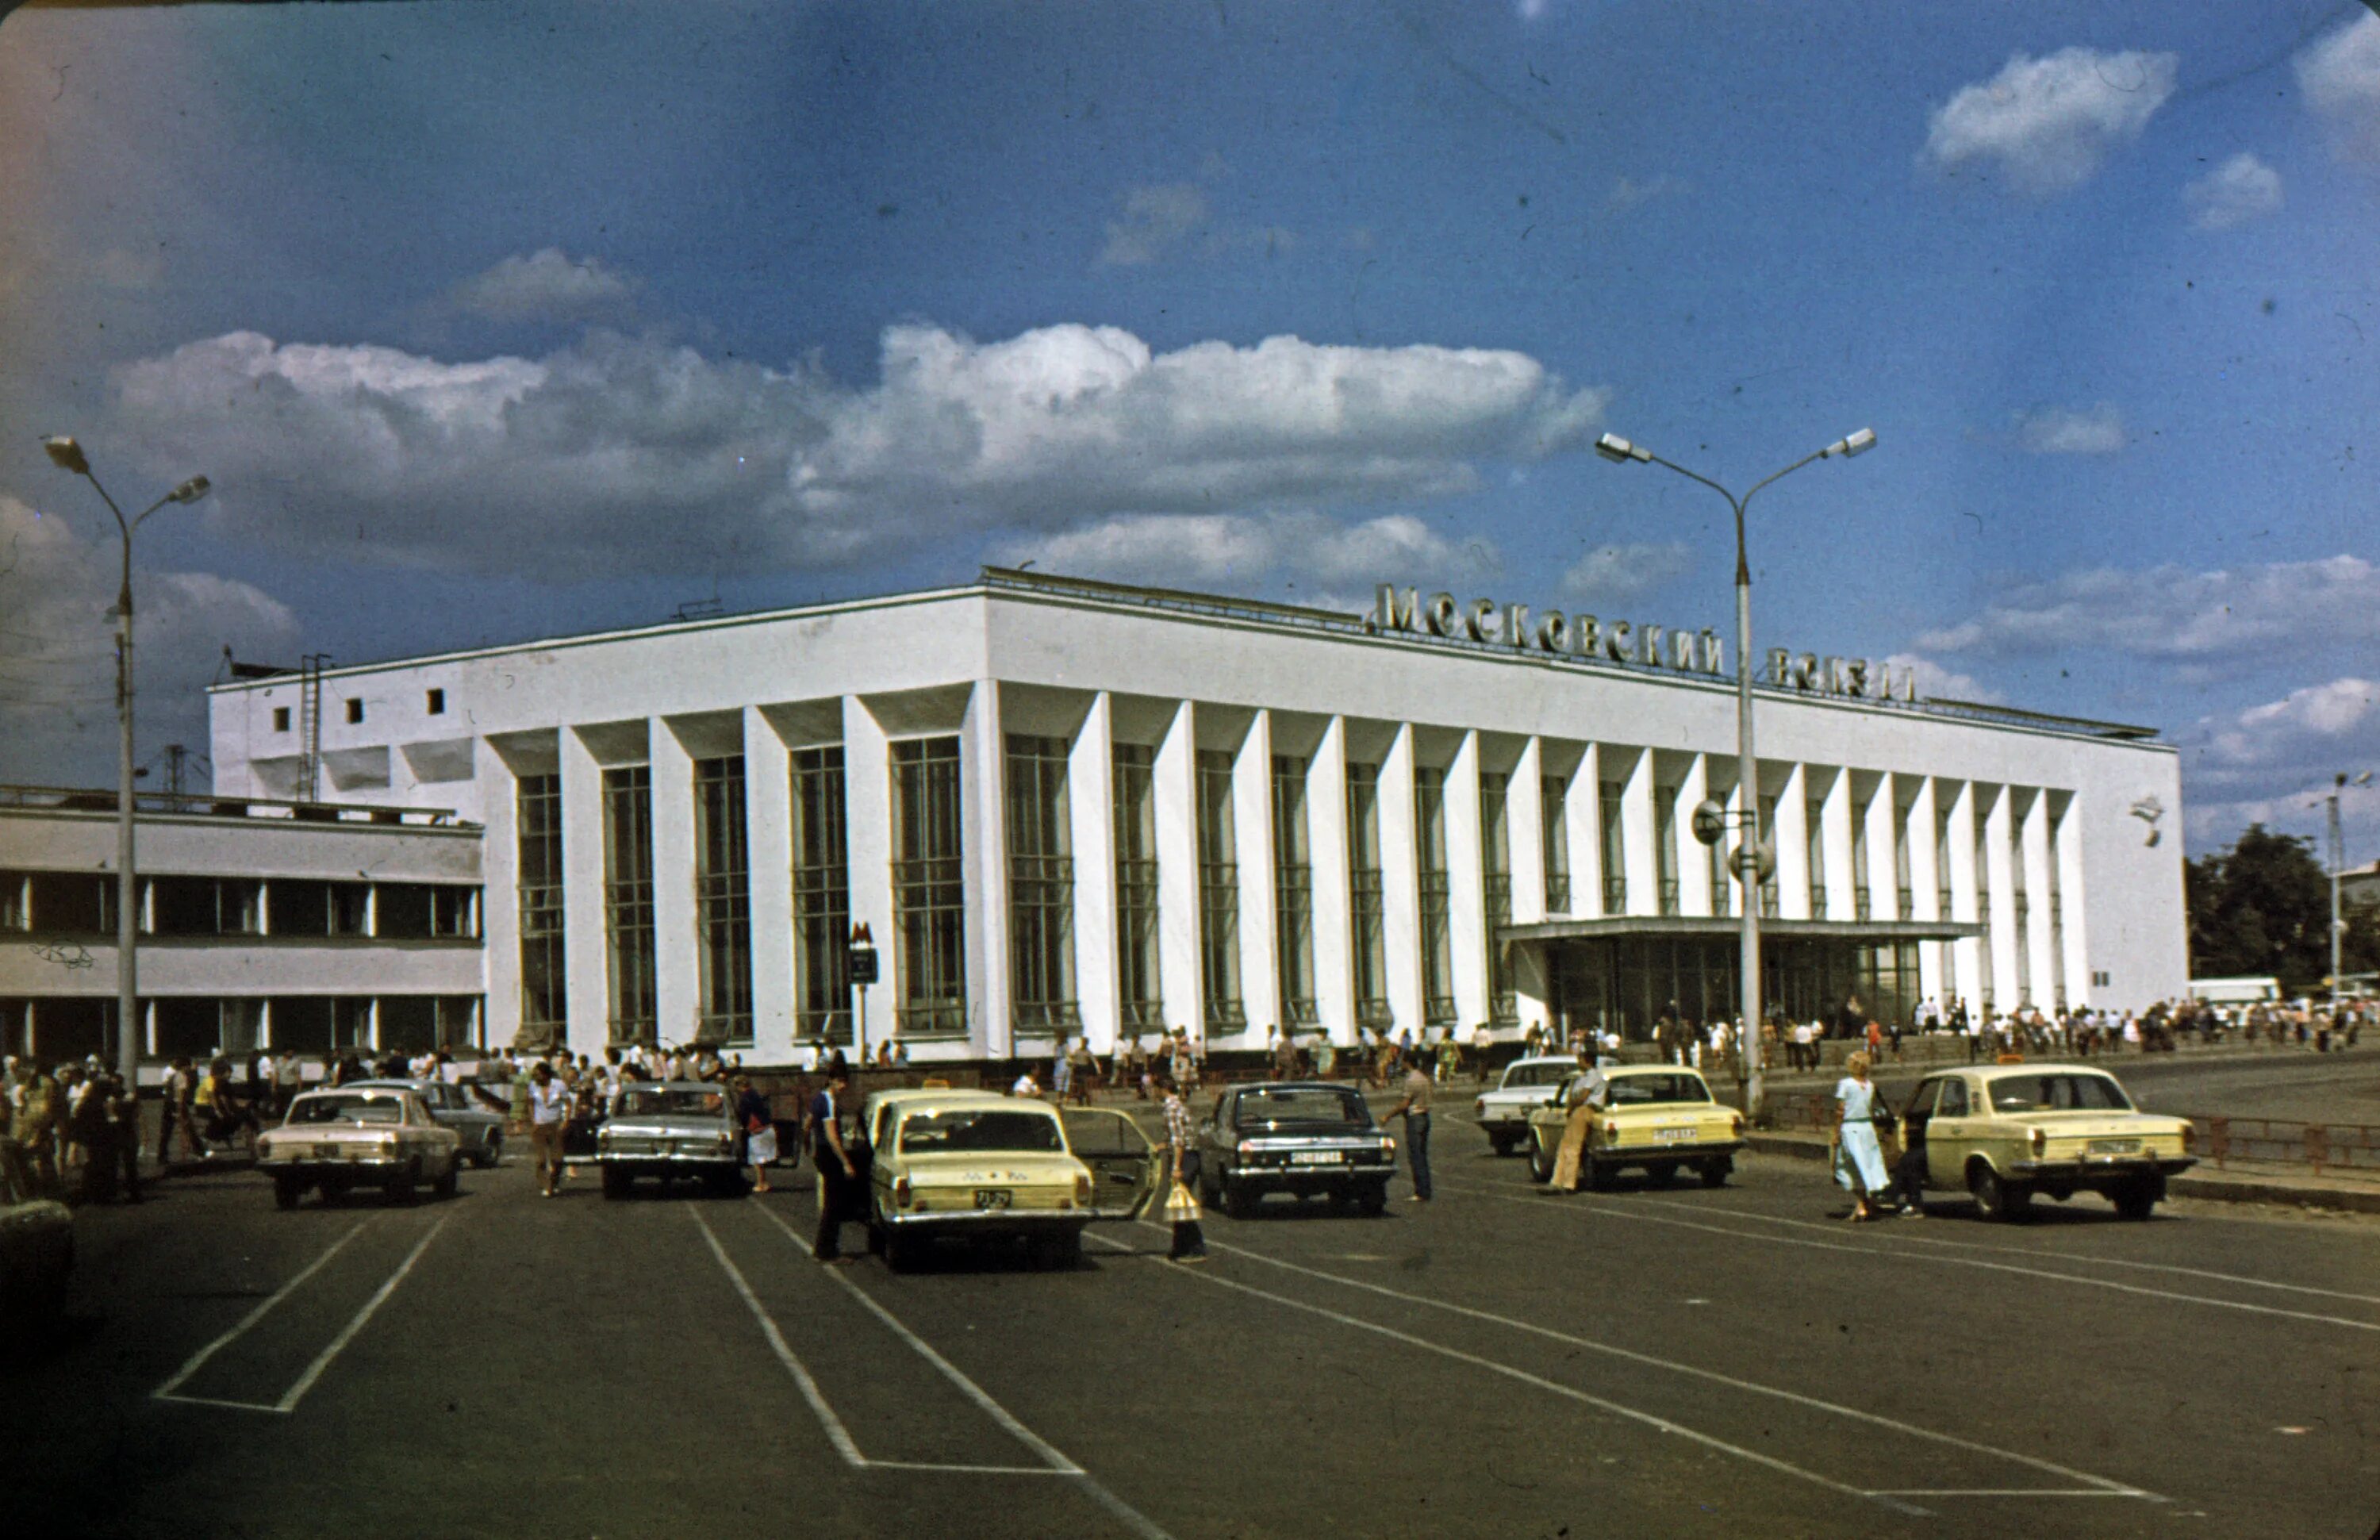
(2208, 1186)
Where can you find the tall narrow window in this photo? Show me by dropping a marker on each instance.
(1946, 889)
(1983, 905)
(628, 903)
(722, 902)
(1495, 882)
(1554, 793)
(1769, 834)
(1293, 847)
(1040, 887)
(1814, 830)
(1665, 844)
(1615, 848)
(1437, 896)
(2056, 917)
(1368, 906)
(538, 815)
(1905, 891)
(822, 898)
(1860, 905)
(2020, 910)
(1219, 894)
(1141, 996)
(928, 887)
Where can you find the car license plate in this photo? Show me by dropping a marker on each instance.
(993, 1197)
(2114, 1147)
(1314, 1157)
(326, 1152)
(1673, 1135)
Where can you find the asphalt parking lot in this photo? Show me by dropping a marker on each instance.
(1501, 1361)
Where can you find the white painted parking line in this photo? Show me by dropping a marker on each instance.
(197, 1360)
(1882, 1242)
(1649, 1419)
(1619, 1210)
(2100, 1485)
(837, 1435)
(1055, 1461)
(348, 1334)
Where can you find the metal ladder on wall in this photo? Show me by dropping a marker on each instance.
(310, 711)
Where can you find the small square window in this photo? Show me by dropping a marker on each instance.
(355, 709)
(281, 719)
(438, 703)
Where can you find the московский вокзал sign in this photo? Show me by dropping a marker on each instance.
(1584, 637)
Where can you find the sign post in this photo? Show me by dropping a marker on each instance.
(863, 974)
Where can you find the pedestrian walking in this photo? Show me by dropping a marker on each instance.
(33, 1123)
(549, 1111)
(1181, 1165)
(124, 1133)
(178, 1114)
(837, 1176)
(759, 1127)
(1859, 1156)
(1414, 1110)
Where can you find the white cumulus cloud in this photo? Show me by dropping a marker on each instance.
(617, 454)
(1156, 220)
(545, 285)
(2046, 125)
(1937, 683)
(1611, 572)
(2341, 76)
(57, 648)
(2059, 430)
(2173, 614)
(2241, 190)
(2271, 762)
(1298, 552)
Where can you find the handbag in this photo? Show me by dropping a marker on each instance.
(761, 1149)
(1182, 1206)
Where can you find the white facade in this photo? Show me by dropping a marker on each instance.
(2004, 837)
(342, 928)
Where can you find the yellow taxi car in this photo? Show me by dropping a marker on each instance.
(2007, 1132)
(953, 1164)
(1654, 1118)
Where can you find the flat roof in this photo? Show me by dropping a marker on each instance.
(1016, 582)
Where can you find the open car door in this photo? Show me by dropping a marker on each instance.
(1123, 1162)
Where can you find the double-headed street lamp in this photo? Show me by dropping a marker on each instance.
(68, 455)
(2339, 784)
(1619, 451)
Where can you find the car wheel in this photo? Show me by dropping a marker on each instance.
(1373, 1200)
(1541, 1163)
(617, 1182)
(900, 1251)
(2136, 1200)
(1715, 1174)
(1502, 1143)
(401, 1187)
(490, 1153)
(1661, 1173)
(286, 1191)
(1600, 1176)
(446, 1185)
(1238, 1202)
(1996, 1199)
(1057, 1253)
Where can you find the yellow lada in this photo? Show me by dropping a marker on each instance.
(1654, 1118)
(978, 1166)
(2005, 1132)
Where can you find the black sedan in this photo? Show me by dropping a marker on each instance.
(1309, 1138)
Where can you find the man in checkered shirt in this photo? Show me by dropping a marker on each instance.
(1189, 1240)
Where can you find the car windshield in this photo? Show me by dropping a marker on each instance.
(1551, 1073)
(1305, 1104)
(646, 1103)
(1643, 1090)
(2057, 1093)
(347, 1110)
(972, 1129)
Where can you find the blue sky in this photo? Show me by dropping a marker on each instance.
(493, 321)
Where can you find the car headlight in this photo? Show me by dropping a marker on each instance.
(387, 1143)
(1387, 1146)
(1246, 1150)
(726, 1141)
(1610, 1134)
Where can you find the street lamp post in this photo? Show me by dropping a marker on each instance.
(68, 455)
(2338, 860)
(1619, 451)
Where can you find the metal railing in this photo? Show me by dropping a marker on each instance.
(2343, 1148)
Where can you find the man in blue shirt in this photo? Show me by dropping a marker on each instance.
(837, 1177)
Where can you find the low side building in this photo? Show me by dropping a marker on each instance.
(262, 923)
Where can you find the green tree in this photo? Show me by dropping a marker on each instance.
(2262, 907)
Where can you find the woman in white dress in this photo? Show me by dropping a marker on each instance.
(1859, 1158)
